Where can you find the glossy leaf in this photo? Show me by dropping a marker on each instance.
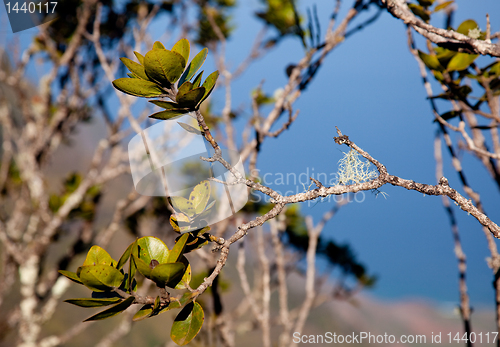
(146, 311)
(113, 311)
(158, 45)
(187, 324)
(152, 248)
(139, 57)
(194, 66)
(170, 114)
(192, 98)
(138, 87)
(189, 128)
(124, 257)
(200, 195)
(165, 273)
(98, 256)
(142, 266)
(461, 61)
(182, 48)
(180, 283)
(178, 249)
(93, 302)
(467, 25)
(71, 275)
(182, 205)
(431, 61)
(136, 68)
(100, 277)
(209, 84)
(197, 80)
(164, 66)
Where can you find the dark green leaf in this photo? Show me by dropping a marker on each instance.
(71, 275)
(170, 114)
(449, 115)
(182, 47)
(184, 88)
(100, 277)
(164, 273)
(145, 312)
(158, 45)
(187, 324)
(136, 68)
(165, 104)
(461, 61)
(194, 66)
(141, 266)
(420, 12)
(197, 242)
(431, 61)
(112, 311)
(426, 3)
(181, 283)
(191, 98)
(209, 84)
(92, 302)
(164, 66)
(138, 87)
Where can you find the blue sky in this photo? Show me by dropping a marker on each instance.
(369, 87)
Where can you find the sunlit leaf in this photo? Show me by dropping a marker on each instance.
(164, 273)
(71, 275)
(197, 80)
(152, 248)
(209, 84)
(443, 5)
(164, 66)
(158, 45)
(124, 257)
(467, 25)
(98, 256)
(431, 61)
(100, 277)
(113, 311)
(461, 61)
(138, 87)
(139, 57)
(136, 68)
(187, 324)
(142, 266)
(178, 249)
(170, 114)
(182, 47)
(182, 205)
(194, 66)
(200, 195)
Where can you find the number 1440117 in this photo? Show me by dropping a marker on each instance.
(490, 337)
(31, 7)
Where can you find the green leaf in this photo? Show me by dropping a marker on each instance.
(100, 277)
(136, 68)
(181, 283)
(158, 45)
(182, 47)
(98, 256)
(443, 5)
(194, 66)
(165, 273)
(431, 61)
(138, 87)
(124, 257)
(420, 12)
(461, 61)
(170, 114)
(191, 98)
(164, 66)
(113, 311)
(71, 275)
(187, 324)
(141, 266)
(178, 249)
(178, 222)
(200, 195)
(467, 25)
(197, 80)
(426, 3)
(165, 104)
(182, 205)
(152, 248)
(132, 266)
(139, 57)
(209, 84)
(146, 311)
(184, 88)
(93, 302)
